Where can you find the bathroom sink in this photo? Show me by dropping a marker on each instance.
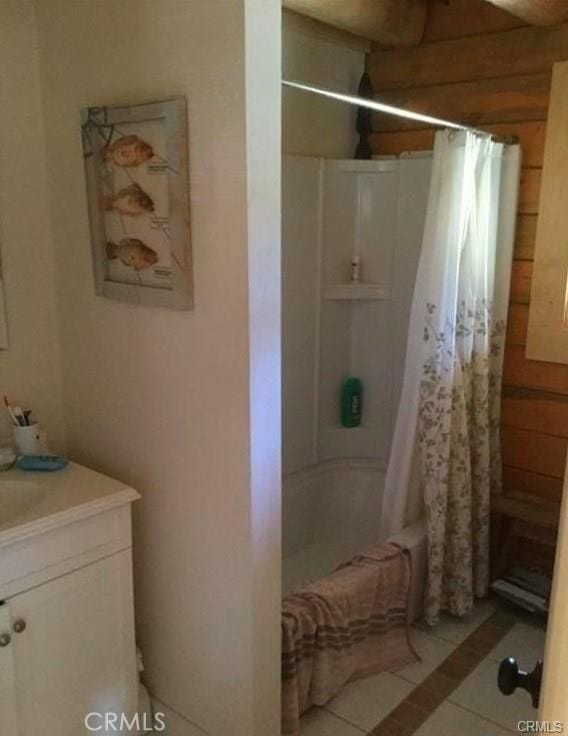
(31, 502)
(18, 497)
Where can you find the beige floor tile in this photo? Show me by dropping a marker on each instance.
(479, 693)
(524, 642)
(451, 720)
(432, 651)
(454, 629)
(318, 722)
(368, 701)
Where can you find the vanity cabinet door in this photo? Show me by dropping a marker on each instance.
(74, 651)
(8, 712)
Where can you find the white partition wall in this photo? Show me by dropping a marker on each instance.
(184, 406)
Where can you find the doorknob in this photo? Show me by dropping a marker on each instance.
(19, 625)
(510, 677)
(5, 639)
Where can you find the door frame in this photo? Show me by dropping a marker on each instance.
(554, 700)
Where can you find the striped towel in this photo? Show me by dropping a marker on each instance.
(347, 625)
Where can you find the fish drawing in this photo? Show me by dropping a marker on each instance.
(128, 150)
(132, 200)
(132, 252)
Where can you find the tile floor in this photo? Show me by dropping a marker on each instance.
(474, 708)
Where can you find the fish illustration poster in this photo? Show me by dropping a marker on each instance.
(138, 201)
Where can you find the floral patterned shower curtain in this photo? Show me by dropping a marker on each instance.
(448, 420)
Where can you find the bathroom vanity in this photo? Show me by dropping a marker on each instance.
(66, 606)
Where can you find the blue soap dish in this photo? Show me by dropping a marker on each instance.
(41, 462)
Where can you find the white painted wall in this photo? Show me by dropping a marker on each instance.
(30, 370)
(311, 125)
(263, 196)
(184, 405)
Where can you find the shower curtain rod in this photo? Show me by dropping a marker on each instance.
(391, 110)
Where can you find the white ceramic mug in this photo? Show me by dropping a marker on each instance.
(27, 440)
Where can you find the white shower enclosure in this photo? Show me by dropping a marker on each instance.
(333, 210)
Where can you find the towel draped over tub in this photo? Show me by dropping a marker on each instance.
(348, 625)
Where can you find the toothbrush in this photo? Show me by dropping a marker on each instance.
(11, 412)
(19, 414)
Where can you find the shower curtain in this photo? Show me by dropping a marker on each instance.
(446, 443)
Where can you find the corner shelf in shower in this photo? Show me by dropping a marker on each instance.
(358, 427)
(348, 292)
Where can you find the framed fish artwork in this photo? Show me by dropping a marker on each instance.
(136, 167)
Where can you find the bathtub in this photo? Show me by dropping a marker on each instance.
(331, 513)
(413, 538)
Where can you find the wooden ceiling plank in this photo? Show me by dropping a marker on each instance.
(297, 23)
(460, 18)
(391, 22)
(538, 12)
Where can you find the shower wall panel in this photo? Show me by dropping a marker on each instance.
(301, 234)
(333, 476)
(332, 327)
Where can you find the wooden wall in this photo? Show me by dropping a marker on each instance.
(481, 66)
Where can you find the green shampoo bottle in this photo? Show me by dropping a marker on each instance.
(351, 402)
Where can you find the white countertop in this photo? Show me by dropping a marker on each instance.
(36, 502)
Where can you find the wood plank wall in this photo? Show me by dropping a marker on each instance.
(479, 65)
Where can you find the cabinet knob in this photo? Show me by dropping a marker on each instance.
(5, 639)
(19, 625)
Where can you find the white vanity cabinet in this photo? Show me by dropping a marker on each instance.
(67, 644)
(8, 705)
